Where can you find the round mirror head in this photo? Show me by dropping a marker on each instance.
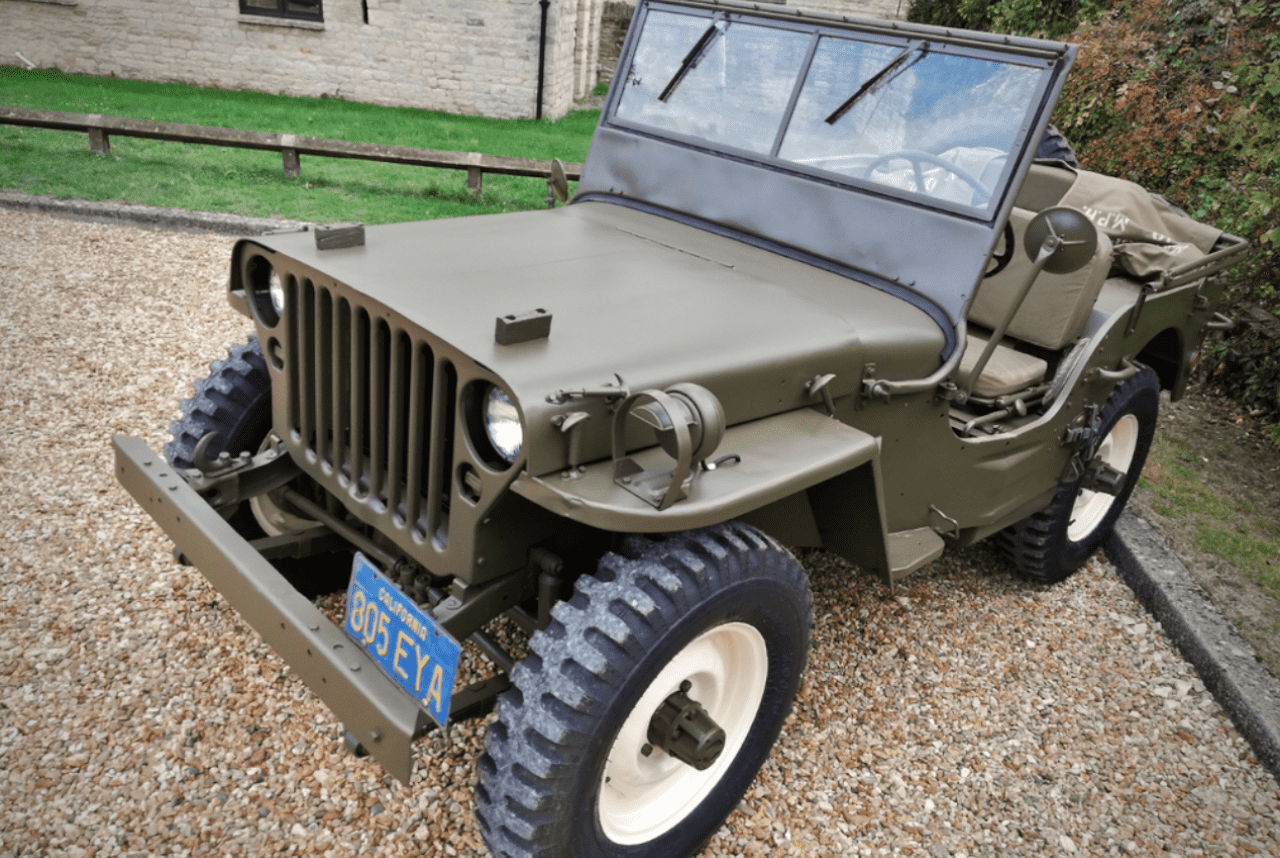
(1076, 234)
(559, 181)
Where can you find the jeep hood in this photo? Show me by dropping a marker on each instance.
(631, 295)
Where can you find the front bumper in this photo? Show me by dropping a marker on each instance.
(350, 683)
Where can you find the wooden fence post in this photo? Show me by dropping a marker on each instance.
(99, 142)
(292, 164)
(475, 175)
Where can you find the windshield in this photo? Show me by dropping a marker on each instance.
(734, 93)
(916, 119)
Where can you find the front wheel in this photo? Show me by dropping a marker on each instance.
(234, 403)
(650, 701)
(1053, 543)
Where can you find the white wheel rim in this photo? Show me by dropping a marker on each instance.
(1116, 450)
(644, 797)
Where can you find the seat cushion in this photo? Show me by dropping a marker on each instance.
(1007, 372)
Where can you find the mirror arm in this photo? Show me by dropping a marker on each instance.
(1047, 249)
(878, 388)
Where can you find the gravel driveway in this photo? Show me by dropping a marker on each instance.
(967, 713)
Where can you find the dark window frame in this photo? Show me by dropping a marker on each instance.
(297, 10)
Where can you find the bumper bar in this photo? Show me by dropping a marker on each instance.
(369, 704)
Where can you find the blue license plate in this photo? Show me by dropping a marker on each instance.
(409, 645)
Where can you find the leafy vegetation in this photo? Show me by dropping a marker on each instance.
(1051, 18)
(213, 178)
(1182, 97)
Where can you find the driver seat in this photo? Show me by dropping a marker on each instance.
(1058, 305)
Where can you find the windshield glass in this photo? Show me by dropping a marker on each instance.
(733, 93)
(913, 118)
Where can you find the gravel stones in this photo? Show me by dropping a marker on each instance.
(967, 713)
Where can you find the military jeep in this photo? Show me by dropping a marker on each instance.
(814, 288)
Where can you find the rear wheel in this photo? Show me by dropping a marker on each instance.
(650, 702)
(1056, 541)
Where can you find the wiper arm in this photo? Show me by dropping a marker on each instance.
(692, 58)
(913, 51)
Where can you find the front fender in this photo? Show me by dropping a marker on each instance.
(777, 457)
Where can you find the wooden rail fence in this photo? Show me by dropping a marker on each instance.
(291, 147)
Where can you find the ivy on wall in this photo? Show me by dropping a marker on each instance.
(1183, 97)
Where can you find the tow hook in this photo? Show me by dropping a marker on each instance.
(683, 729)
(225, 481)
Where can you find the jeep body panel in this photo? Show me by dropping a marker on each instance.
(705, 306)
(736, 319)
(774, 458)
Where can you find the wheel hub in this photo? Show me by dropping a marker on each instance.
(645, 789)
(1107, 471)
(1101, 477)
(684, 729)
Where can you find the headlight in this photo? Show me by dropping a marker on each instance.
(276, 288)
(502, 424)
(265, 289)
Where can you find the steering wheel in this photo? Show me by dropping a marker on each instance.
(918, 158)
(1004, 257)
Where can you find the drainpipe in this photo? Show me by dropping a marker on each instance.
(542, 53)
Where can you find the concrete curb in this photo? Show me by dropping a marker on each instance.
(147, 217)
(1225, 662)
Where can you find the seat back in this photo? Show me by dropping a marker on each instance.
(1056, 308)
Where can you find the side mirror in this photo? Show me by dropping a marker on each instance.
(1063, 237)
(557, 184)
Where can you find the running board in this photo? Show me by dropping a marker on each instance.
(911, 549)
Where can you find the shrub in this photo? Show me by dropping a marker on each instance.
(1051, 18)
(1183, 97)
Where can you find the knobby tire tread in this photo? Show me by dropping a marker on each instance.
(592, 643)
(225, 401)
(1039, 546)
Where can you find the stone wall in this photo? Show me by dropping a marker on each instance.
(478, 57)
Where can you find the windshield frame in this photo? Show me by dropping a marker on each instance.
(904, 42)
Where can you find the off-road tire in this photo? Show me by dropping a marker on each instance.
(1054, 147)
(1053, 543)
(541, 786)
(234, 400)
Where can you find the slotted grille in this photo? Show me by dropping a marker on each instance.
(373, 409)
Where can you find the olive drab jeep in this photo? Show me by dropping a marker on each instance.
(814, 288)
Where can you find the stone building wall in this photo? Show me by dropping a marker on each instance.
(477, 57)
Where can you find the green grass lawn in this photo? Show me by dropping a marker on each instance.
(1229, 527)
(245, 182)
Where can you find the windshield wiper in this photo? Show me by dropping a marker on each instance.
(691, 59)
(914, 51)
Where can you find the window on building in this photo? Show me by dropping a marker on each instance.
(306, 10)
